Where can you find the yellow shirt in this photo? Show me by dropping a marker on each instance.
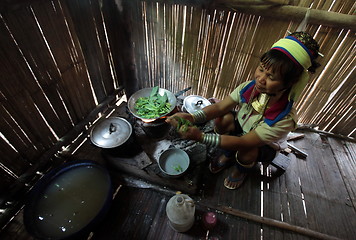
(274, 135)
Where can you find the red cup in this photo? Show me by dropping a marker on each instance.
(209, 220)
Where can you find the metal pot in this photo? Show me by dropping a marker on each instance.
(114, 134)
(145, 92)
(194, 103)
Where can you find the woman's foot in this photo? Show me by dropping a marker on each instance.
(220, 163)
(235, 179)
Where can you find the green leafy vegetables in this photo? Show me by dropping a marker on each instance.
(153, 106)
(183, 124)
(178, 168)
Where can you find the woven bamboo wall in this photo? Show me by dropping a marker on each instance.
(177, 46)
(56, 67)
(61, 59)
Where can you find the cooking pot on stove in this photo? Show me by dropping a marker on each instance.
(114, 133)
(194, 103)
(145, 92)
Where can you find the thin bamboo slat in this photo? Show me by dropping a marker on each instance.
(56, 68)
(225, 53)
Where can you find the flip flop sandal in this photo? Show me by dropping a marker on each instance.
(216, 166)
(234, 180)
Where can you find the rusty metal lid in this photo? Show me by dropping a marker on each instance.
(111, 132)
(194, 103)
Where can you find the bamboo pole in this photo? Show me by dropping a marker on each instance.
(287, 12)
(276, 9)
(275, 223)
(272, 222)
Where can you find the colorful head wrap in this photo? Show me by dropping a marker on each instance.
(300, 55)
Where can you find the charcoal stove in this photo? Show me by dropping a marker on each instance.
(158, 128)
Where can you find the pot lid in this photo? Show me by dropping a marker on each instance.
(111, 132)
(194, 103)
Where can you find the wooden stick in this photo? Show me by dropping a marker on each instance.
(297, 151)
(276, 9)
(273, 223)
(311, 128)
(331, 19)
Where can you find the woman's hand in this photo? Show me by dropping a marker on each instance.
(191, 133)
(184, 115)
(186, 131)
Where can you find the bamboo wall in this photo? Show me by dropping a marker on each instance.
(214, 50)
(57, 66)
(63, 60)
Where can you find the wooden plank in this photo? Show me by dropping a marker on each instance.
(312, 188)
(345, 157)
(126, 213)
(16, 230)
(272, 203)
(321, 185)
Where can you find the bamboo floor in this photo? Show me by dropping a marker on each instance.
(313, 199)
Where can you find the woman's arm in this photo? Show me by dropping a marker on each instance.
(219, 109)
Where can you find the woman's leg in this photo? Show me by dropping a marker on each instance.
(223, 125)
(246, 160)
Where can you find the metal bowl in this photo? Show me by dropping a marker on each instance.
(174, 162)
(145, 92)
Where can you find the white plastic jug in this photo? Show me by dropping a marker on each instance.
(180, 212)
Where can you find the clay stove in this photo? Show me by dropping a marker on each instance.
(154, 129)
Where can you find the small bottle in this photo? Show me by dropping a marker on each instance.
(180, 211)
(209, 220)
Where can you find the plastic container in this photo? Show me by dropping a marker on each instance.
(69, 201)
(180, 212)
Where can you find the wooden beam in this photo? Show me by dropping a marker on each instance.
(276, 223)
(276, 9)
(270, 222)
(311, 128)
(287, 12)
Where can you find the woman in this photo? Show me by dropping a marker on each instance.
(265, 113)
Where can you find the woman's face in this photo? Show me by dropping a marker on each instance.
(268, 81)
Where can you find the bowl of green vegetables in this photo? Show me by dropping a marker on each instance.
(151, 103)
(173, 162)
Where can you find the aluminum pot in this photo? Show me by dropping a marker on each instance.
(111, 132)
(194, 103)
(114, 135)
